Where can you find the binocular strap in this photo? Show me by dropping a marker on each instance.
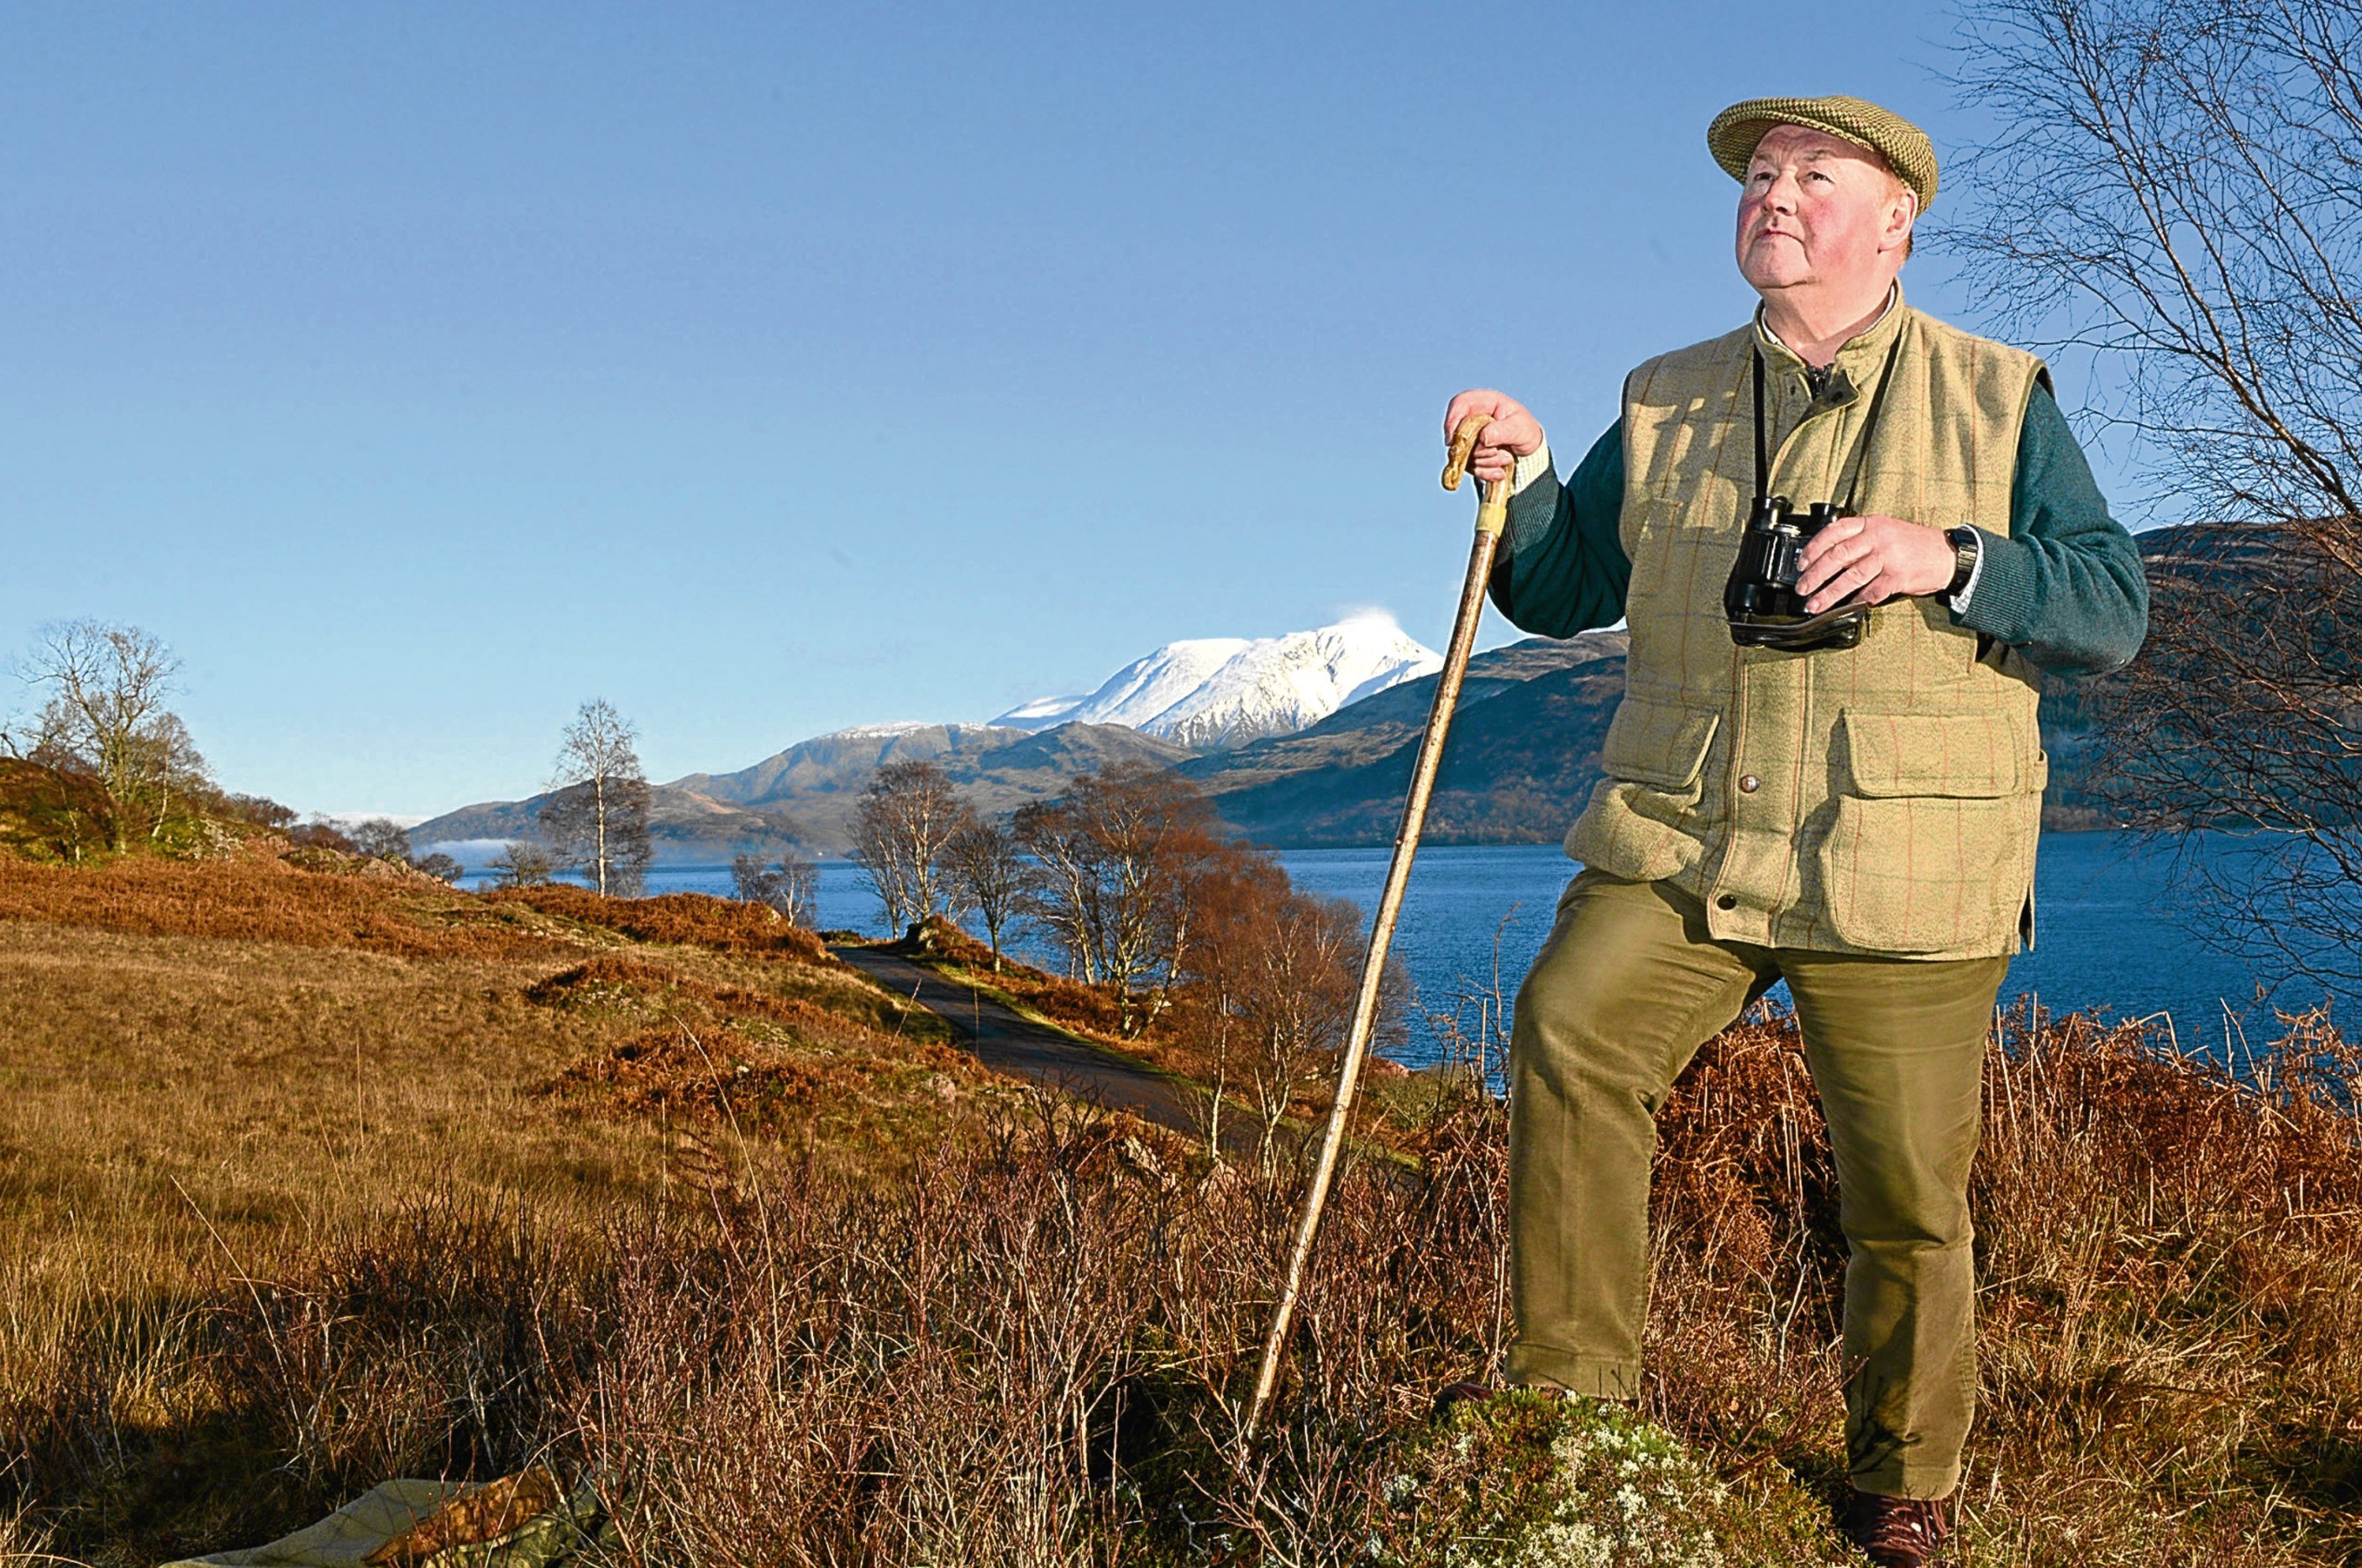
(1855, 460)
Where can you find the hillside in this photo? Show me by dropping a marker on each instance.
(383, 1096)
(810, 794)
(684, 825)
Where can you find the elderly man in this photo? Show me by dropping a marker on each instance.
(1857, 819)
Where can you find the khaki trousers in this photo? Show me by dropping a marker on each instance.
(1625, 990)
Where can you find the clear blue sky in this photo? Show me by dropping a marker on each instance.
(420, 371)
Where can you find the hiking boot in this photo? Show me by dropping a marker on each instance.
(1899, 1532)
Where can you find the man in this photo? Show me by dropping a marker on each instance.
(1857, 820)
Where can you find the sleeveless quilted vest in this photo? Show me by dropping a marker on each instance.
(1884, 798)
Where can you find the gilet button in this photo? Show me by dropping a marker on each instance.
(1749, 785)
(1727, 901)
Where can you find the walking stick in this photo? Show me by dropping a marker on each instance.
(1492, 515)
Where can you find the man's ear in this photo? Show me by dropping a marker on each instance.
(1903, 216)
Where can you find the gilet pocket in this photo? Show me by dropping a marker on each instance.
(1643, 822)
(1930, 843)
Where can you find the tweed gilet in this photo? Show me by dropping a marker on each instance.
(1884, 798)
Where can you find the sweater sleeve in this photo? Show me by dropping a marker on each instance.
(2066, 588)
(1561, 567)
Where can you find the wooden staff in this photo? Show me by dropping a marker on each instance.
(1492, 515)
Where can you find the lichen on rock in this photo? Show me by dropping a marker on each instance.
(1530, 1479)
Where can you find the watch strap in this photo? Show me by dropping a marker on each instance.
(1964, 558)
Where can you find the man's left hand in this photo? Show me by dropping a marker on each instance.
(1873, 560)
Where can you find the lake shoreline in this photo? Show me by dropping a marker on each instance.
(2107, 936)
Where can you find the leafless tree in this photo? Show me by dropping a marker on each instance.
(523, 864)
(1115, 861)
(986, 872)
(441, 867)
(383, 838)
(104, 712)
(598, 818)
(2174, 198)
(257, 811)
(322, 833)
(791, 886)
(1272, 979)
(909, 815)
(172, 774)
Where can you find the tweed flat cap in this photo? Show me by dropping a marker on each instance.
(1735, 131)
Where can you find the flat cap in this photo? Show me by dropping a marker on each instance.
(1735, 131)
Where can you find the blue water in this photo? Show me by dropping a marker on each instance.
(2107, 937)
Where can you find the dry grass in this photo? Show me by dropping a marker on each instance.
(732, 1230)
(265, 894)
(699, 920)
(222, 1071)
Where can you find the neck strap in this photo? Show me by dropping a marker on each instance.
(1859, 458)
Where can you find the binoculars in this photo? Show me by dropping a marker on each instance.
(1760, 600)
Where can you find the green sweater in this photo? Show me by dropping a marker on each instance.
(2065, 589)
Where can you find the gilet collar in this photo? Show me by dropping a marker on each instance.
(1860, 355)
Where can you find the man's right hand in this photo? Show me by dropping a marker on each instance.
(1512, 434)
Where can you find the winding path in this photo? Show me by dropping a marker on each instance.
(1008, 1042)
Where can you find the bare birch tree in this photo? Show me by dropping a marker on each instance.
(106, 712)
(986, 872)
(598, 818)
(2173, 200)
(909, 815)
(1117, 858)
(172, 775)
(791, 886)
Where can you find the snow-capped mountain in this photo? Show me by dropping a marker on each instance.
(1135, 694)
(1225, 691)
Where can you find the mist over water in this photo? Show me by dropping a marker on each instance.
(2105, 938)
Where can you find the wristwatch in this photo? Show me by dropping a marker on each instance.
(1964, 558)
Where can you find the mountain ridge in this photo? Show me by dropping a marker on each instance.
(1213, 692)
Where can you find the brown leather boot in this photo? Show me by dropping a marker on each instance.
(1899, 1532)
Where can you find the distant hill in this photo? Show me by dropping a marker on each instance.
(2226, 558)
(1523, 754)
(684, 827)
(820, 781)
(844, 758)
(808, 795)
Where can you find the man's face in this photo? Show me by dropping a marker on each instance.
(1817, 209)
